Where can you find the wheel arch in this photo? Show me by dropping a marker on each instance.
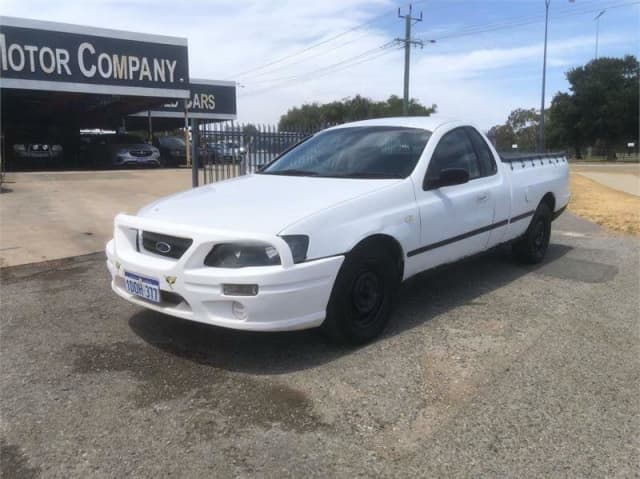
(384, 242)
(550, 200)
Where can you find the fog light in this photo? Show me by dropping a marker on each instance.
(240, 289)
(239, 311)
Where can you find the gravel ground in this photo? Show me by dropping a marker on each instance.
(488, 370)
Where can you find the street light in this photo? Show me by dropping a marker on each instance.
(597, 19)
(544, 75)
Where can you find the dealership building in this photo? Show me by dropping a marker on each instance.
(57, 80)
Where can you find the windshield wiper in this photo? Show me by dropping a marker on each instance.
(291, 172)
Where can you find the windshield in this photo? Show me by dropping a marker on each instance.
(355, 152)
(172, 142)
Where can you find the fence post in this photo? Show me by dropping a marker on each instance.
(195, 141)
(215, 137)
(186, 133)
(243, 144)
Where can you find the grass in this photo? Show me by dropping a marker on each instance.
(621, 158)
(610, 208)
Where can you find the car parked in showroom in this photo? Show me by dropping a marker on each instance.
(236, 150)
(122, 150)
(219, 152)
(173, 150)
(36, 155)
(324, 235)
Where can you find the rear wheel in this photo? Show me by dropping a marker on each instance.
(362, 296)
(532, 247)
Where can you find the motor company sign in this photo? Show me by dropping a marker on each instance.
(50, 56)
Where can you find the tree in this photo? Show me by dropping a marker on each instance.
(502, 137)
(602, 107)
(520, 129)
(313, 116)
(560, 125)
(249, 133)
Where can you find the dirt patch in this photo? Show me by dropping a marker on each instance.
(608, 207)
(240, 399)
(14, 464)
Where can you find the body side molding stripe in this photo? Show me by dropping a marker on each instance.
(522, 216)
(469, 234)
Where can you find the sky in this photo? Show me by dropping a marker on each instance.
(485, 62)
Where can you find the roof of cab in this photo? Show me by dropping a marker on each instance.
(429, 123)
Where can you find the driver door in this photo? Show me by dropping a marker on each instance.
(455, 220)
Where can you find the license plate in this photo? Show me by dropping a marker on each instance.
(146, 288)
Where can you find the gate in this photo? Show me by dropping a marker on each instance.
(226, 150)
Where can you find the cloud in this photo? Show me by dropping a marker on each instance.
(467, 78)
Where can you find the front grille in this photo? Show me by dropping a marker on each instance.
(165, 245)
(140, 153)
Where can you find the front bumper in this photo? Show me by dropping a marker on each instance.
(290, 296)
(127, 159)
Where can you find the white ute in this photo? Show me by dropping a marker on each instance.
(325, 234)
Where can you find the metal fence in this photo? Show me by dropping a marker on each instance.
(230, 149)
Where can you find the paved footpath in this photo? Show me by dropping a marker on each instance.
(50, 215)
(621, 177)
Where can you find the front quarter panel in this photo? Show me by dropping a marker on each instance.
(336, 230)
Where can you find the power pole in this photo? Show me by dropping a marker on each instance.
(408, 21)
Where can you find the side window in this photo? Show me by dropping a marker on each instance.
(454, 151)
(488, 165)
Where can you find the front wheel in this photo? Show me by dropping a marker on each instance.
(532, 247)
(362, 296)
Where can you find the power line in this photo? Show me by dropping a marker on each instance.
(531, 20)
(507, 21)
(305, 59)
(385, 49)
(315, 45)
(319, 75)
(319, 70)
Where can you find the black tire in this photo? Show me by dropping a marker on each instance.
(532, 247)
(362, 296)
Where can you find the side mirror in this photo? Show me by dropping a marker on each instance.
(448, 177)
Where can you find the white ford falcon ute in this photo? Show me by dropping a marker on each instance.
(324, 235)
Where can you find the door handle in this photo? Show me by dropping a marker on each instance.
(482, 197)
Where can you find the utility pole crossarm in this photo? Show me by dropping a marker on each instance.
(418, 43)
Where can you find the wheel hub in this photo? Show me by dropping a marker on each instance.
(366, 293)
(539, 235)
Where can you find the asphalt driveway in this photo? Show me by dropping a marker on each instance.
(489, 369)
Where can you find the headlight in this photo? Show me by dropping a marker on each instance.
(298, 245)
(19, 148)
(56, 148)
(241, 255)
